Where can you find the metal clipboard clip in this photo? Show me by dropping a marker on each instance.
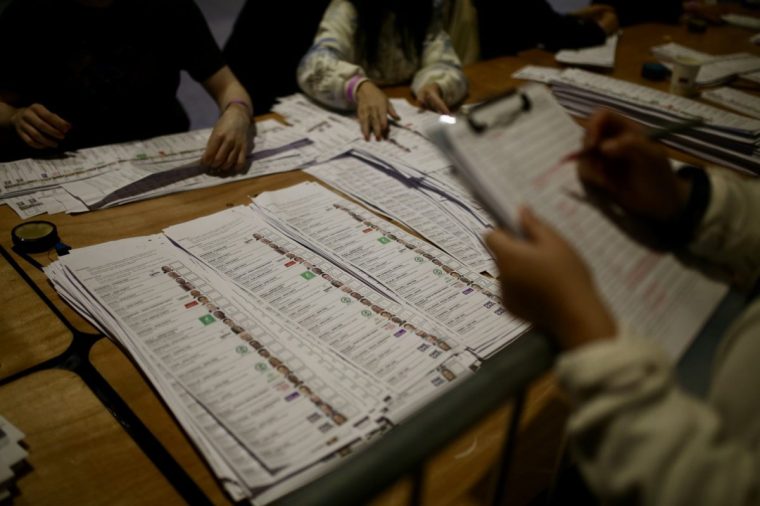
(503, 120)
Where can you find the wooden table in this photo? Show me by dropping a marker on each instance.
(80, 455)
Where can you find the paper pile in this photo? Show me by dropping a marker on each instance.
(12, 458)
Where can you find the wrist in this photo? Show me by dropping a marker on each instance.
(352, 87)
(241, 107)
(586, 321)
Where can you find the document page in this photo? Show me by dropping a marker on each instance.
(408, 205)
(374, 333)
(443, 289)
(523, 162)
(207, 342)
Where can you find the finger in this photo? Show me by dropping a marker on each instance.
(222, 154)
(241, 158)
(44, 127)
(437, 103)
(230, 163)
(622, 146)
(534, 228)
(29, 141)
(212, 148)
(505, 248)
(53, 119)
(383, 118)
(392, 111)
(364, 122)
(37, 136)
(374, 120)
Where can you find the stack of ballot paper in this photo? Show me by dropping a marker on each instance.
(715, 69)
(726, 138)
(286, 334)
(106, 176)
(12, 458)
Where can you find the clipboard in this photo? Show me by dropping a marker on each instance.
(477, 143)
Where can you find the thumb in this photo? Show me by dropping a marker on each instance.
(502, 244)
(535, 229)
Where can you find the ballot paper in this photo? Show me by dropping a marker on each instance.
(396, 196)
(537, 73)
(602, 55)
(739, 101)
(443, 289)
(12, 457)
(375, 334)
(751, 22)
(520, 158)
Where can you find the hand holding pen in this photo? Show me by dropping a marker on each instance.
(622, 160)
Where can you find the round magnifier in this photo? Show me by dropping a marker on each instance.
(35, 236)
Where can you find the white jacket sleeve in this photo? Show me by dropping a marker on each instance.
(325, 70)
(639, 439)
(729, 235)
(440, 65)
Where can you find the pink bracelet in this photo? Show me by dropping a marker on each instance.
(248, 107)
(352, 85)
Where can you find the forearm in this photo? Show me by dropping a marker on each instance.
(639, 438)
(728, 237)
(441, 65)
(226, 90)
(6, 116)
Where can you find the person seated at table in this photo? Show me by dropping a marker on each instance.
(364, 44)
(510, 27)
(639, 438)
(664, 11)
(270, 75)
(79, 73)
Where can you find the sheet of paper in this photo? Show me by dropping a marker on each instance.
(523, 164)
(375, 334)
(739, 101)
(437, 285)
(595, 56)
(537, 73)
(147, 287)
(409, 206)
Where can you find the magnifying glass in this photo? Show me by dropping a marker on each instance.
(36, 237)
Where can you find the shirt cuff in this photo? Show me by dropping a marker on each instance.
(352, 85)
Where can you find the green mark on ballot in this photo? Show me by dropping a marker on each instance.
(242, 349)
(207, 319)
(345, 300)
(308, 275)
(366, 313)
(383, 240)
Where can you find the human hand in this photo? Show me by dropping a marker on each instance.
(230, 141)
(545, 282)
(631, 170)
(431, 98)
(604, 15)
(38, 127)
(373, 109)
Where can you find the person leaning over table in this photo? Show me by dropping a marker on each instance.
(363, 44)
(508, 27)
(79, 73)
(638, 438)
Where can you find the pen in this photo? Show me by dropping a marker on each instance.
(653, 134)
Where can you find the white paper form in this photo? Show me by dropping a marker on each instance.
(408, 205)
(443, 289)
(372, 332)
(144, 284)
(537, 73)
(523, 162)
(602, 55)
(413, 117)
(734, 99)
(232, 463)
